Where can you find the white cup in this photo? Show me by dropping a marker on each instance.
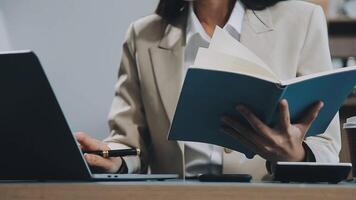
(350, 123)
(350, 128)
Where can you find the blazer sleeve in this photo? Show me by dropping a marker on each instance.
(315, 57)
(127, 120)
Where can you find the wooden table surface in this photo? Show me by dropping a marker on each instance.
(174, 190)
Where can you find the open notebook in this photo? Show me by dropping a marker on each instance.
(227, 74)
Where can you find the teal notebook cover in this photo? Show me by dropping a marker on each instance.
(207, 95)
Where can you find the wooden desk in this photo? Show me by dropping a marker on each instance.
(174, 190)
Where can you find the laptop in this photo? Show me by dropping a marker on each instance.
(36, 142)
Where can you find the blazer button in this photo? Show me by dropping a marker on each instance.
(227, 150)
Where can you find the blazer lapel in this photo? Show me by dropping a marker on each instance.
(167, 63)
(259, 21)
(256, 33)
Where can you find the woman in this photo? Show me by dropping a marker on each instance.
(290, 36)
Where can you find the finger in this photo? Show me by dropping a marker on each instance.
(80, 136)
(245, 142)
(88, 143)
(105, 164)
(284, 115)
(311, 115)
(235, 124)
(255, 123)
(249, 133)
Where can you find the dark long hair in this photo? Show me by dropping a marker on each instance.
(171, 9)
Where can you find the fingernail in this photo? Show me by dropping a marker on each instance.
(321, 104)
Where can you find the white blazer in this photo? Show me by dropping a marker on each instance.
(291, 37)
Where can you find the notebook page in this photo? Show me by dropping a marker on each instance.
(215, 60)
(225, 43)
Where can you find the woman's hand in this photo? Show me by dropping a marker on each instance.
(281, 143)
(107, 165)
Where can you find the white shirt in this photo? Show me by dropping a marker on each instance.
(203, 158)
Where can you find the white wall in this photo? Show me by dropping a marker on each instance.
(79, 45)
(4, 38)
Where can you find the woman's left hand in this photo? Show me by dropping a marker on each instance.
(284, 142)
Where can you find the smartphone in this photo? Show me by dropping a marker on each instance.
(242, 178)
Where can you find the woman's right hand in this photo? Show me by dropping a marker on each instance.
(107, 165)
